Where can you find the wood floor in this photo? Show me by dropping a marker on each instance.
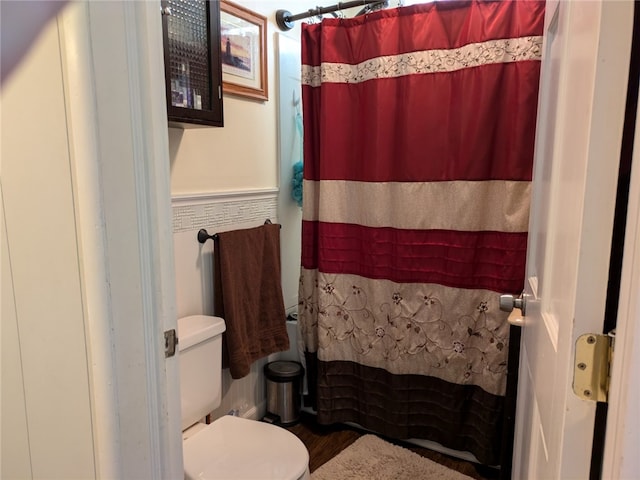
(325, 442)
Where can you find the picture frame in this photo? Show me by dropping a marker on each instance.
(243, 48)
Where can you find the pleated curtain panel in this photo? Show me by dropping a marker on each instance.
(419, 127)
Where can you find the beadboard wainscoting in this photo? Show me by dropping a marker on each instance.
(218, 212)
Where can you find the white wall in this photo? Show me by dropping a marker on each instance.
(242, 155)
(234, 177)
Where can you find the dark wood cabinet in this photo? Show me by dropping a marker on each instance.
(193, 72)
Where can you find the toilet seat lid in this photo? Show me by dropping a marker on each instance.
(237, 448)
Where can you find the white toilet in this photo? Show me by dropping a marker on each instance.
(230, 447)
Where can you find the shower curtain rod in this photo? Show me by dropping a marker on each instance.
(285, 19)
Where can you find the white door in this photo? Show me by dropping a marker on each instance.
(580, 119)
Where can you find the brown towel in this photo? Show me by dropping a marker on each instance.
(248, 284)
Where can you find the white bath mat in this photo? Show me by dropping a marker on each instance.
(371, 458)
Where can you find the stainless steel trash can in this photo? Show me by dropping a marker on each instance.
(284, 381)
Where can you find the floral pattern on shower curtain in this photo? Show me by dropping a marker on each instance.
(419, 127)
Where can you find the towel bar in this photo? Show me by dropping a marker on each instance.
(203, 235)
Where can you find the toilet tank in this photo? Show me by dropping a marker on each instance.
(200, 359)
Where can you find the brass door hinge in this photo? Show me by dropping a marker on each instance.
(592, 366)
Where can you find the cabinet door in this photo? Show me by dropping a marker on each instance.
(193, 74)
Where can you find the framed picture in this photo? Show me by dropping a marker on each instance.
(243, 42)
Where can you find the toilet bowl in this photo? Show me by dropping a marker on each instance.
(230, 447)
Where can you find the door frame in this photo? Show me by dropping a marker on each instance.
(113, 71)
(622, 434)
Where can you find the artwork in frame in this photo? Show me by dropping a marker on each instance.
(243, 35)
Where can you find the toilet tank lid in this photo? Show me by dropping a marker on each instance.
(198, 328)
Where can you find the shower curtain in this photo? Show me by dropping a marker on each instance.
(418, 146)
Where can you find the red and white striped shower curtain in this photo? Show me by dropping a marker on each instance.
(418, 145)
